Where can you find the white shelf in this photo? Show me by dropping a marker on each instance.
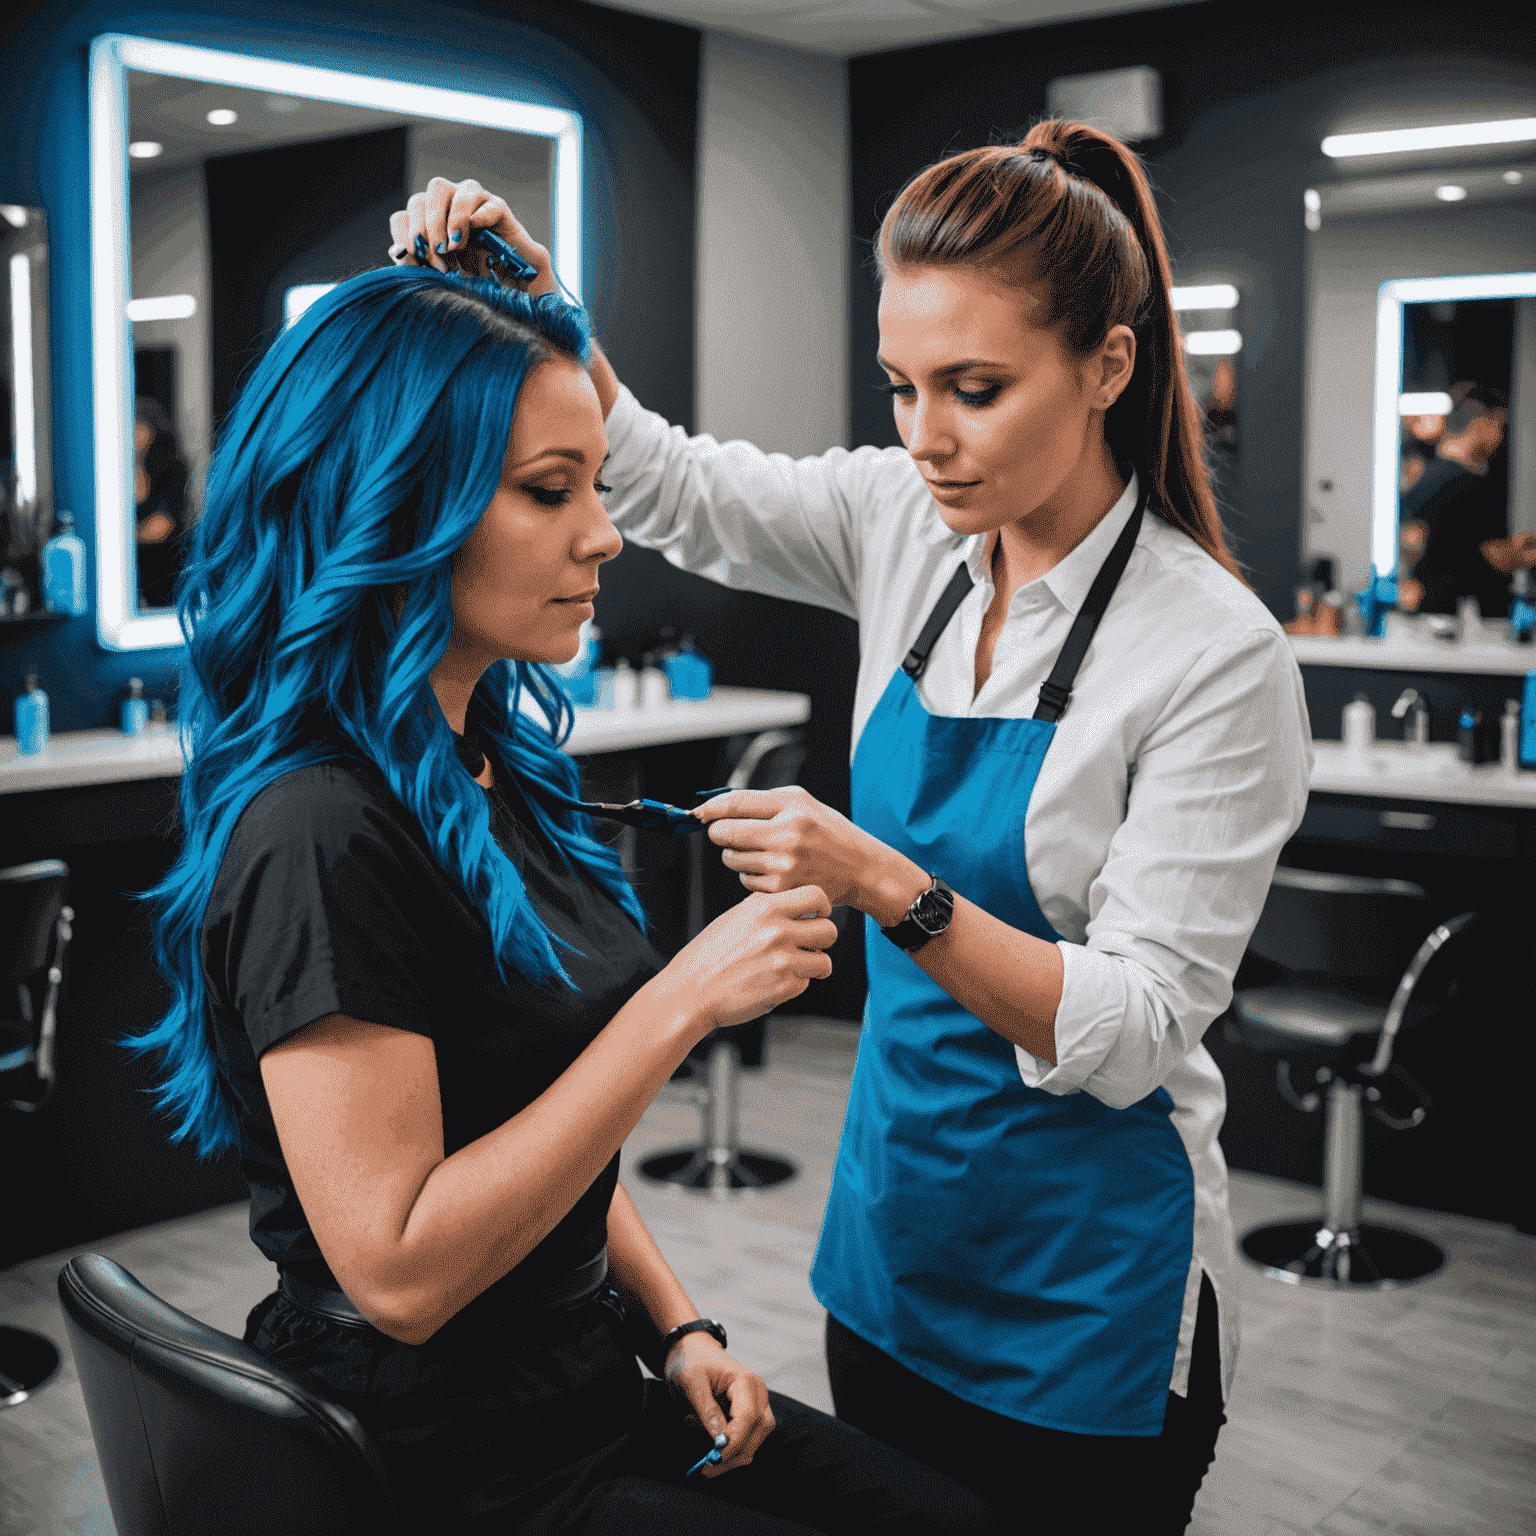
(1388, 770)
(74, 758)
(1493, 656)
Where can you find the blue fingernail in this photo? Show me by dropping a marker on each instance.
(722, 1440)
(442, 249)
(455, 237)
(421, 247)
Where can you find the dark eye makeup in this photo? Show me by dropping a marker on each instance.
(558, 495)
(971, 397)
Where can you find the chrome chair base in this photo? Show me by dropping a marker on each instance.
(694, 1168)
(1365, 1257)
(28, 1362)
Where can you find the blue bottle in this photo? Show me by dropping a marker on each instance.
(1528, 723)
(1522, 610)
(135, 711)
(32, 717)
(689, 673)
(64, 569)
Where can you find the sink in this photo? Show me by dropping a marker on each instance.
(1389, 759)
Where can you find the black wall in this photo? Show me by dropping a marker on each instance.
(1247, 98)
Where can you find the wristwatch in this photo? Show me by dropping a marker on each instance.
(699, 1325)
(926, 918)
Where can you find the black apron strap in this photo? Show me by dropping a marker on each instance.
(1057, 688)
(943, 612)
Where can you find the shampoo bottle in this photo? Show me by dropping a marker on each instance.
(655, 689)
(1359, 724)
(626, 685)
(1509, 737)
(135, 711)
(64, 569)
(32, 717)
(1528, 723)
(1522, 611)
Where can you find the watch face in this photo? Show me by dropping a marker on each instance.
(933, 910)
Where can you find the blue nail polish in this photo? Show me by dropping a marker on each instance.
(455, 237)
(442, 248)
(721, 1440)
(421, 248)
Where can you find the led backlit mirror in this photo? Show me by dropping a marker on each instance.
(227, 193)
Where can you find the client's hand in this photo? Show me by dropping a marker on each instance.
(446, 214)
(700, 1371)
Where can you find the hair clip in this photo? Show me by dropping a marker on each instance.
(502, 259)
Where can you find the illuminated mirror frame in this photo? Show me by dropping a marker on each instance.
(119, 625)
(1390, 298)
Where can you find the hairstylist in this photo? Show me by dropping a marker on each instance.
(1080, 742)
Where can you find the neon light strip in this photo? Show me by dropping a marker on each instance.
(1213, 343)
(1386, 429)
(1396, 141)
(24, 411)
(1206, 296)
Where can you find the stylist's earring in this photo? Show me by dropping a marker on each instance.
(1110, 401)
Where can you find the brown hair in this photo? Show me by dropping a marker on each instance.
(1073, 205)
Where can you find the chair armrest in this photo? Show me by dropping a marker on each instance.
(1437, 939)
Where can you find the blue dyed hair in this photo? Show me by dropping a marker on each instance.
(362, 452)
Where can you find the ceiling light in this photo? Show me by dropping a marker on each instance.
(14, 216)
(1514, 178)
(1206, 296)
(1393, 141)
(145, 149)
(1431, 403)
(174, 306)
(1450, 194)
(1213, 343)
(222, 117)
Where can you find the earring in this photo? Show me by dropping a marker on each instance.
(1110, 401)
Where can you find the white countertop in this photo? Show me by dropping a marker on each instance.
(1390, 770)
(73, 758)
(1405, 652)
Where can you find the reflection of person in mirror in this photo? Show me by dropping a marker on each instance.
(160, 502)
(1220, 406)
(1456, 515)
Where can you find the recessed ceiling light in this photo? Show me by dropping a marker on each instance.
(1213, 343)
(1450, 194)
(222, 117)
(17, 217)
(144, 149)
(1514, 178)
(283, 103)
(1395, 141)
(1205, 296)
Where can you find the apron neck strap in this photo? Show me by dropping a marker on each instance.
(1057, 688)
(943, 612)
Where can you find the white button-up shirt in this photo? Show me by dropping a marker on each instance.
(1176, 774)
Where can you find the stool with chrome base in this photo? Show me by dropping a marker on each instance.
(1342, 938)
(34, 934)
(718, 1164)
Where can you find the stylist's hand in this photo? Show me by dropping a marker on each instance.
(700, 1371)
(760, 953)
(778, 838)
(446, 214)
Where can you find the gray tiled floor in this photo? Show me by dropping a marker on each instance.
(1407, 1413)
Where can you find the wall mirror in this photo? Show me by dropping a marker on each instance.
(1419, 287)
(26, 454)
(227, 193)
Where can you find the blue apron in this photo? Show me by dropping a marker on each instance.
(1024, 1250)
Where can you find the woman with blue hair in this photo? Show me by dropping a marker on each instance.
(412, 988)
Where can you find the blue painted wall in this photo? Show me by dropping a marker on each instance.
(634, 81)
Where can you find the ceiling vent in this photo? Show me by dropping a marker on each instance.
(1125, 102)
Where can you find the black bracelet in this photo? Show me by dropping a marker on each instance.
(698, 1325)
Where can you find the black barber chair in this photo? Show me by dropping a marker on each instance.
(34, 934)
(1351, 952)
(718, 1164)
(198, 1432)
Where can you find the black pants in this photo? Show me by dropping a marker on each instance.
(552, 1429)
(1043, 1479)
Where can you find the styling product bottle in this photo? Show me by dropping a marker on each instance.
(135, 711)
(626, 685)
(1528, 723)
(64, 569)
(1509, 737)
(157, 716)
(1522, 610)
(655, 690)
(31, 717)
(1469, 620)
(1468, 727)
(1359, 724)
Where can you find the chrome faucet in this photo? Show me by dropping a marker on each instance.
(1416, 729)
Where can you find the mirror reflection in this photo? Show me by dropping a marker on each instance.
(244, 206)
(26, 459)
(1463, 523)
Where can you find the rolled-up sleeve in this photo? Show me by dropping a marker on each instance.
(1217, 787)
(759, 522)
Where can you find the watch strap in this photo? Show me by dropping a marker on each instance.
(909, 934)
(698, 1325)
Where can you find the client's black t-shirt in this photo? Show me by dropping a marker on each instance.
(330, 900)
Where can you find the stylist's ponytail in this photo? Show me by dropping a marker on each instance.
(1073, 203)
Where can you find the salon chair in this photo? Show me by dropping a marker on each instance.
(1350, 952)
(718, 1164)
(34, 935)
(197, 1432)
